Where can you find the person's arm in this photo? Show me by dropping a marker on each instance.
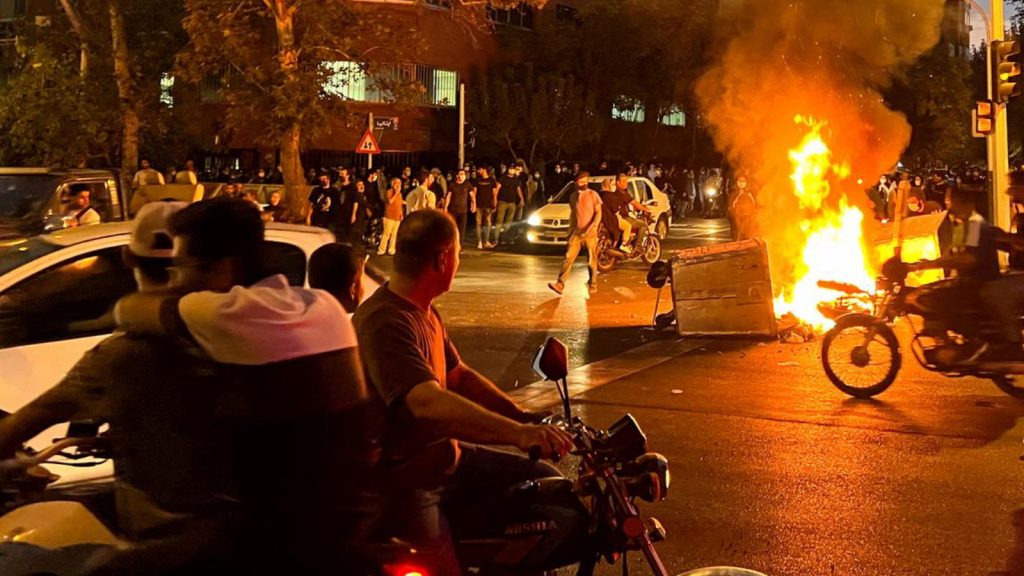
(160, 178)
(472, 200)
(447, 199)
(30, 421)
(960, 261)
(460, 418)
(519, 192)
(473, 385)
(151, 313)
(355, 211)
(497, 190)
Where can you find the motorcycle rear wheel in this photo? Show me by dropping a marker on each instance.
(858, 367)
(1012, 386)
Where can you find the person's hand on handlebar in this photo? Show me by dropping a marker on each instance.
(552, 442)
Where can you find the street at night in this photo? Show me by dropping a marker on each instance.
(772, 467)
(511, 287)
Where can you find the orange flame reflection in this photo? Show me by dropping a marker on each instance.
(834, 248)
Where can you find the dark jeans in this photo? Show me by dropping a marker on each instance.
(482, 474)
(460, 220)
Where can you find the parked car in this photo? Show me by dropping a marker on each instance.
(550, 224)
(33, 200)
(57, 292)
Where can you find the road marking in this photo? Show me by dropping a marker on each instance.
(542, 394)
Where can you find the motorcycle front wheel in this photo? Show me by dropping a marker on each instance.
(861, 356)
(651, 249)
(605, 260)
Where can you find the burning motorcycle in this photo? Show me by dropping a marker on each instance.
(861, 353)
(646, 246)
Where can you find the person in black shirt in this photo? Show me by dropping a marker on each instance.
(510, 196)
(486, 203)
(974, 258)
(457, 202)
(323, 204)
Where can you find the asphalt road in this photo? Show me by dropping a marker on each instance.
(500, 309)
(773, 469)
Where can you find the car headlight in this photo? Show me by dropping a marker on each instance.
(534, 220)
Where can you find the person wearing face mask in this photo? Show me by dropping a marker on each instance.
(586, 222)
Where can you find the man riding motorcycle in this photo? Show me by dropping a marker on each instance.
(973, 257)
(292, 392)
(619, 201)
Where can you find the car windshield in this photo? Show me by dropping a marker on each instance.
(563, 196)
(25, 198)
(16, 253)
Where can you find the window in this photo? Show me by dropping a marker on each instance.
(350, 81)
(673, 116)
(166, 85)
(287, 259)
(641, 193)
(70, 300)
(446, 4)
(209, 88)
(566, 13)
(628, 110)
(520, 17)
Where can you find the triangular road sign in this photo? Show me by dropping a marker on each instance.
(368, 144)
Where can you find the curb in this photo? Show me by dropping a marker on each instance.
(542, 394)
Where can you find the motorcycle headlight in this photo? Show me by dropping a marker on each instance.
(534, 220)
(711, 191)
(648, 477)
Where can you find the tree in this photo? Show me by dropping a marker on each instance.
(533, 116)
(49, 117)
(935, 93)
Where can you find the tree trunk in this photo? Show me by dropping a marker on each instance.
(125, 96)
(296, 187)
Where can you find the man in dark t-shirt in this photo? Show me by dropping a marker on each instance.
(432, 408)
(323, 204)
(486, 203)
(974, 258)
(460, 196)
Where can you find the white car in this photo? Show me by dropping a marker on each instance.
(549, 225)
(56, 295)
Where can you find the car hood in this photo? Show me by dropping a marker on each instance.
(554, 211)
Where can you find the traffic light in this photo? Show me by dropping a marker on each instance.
(984, 118)
(1005, 71)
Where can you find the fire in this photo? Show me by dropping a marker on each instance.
(834, 247)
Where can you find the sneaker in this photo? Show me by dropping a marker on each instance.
(479, 245)
(380, 252)
(391, 253)
(491, 245)
(557, 287)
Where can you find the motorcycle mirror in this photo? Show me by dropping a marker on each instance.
(659, 274)
(552, 360)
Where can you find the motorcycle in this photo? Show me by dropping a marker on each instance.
(544, 525)
(71, 529)
(372, 234)
(646, 246)
(861, 353)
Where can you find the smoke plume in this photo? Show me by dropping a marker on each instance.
(824, 59)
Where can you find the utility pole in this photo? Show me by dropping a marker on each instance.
(998, 146)
(369, 157)
(462, 125)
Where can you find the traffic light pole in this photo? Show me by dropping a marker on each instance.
(998, 147)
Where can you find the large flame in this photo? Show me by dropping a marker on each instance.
(834, 248)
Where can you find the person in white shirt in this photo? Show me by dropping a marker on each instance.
(147, 176)
(422, 197)
(80, 211)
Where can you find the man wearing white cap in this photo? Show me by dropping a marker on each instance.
(81, 394)
(173, 494)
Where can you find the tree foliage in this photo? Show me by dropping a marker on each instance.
(533, 116)
(935, 93)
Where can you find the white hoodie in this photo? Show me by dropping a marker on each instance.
(267, 322)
